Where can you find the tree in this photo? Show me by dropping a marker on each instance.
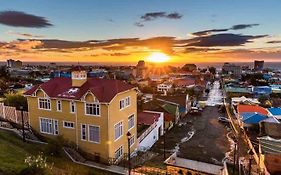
(212, 70)
(16, 100)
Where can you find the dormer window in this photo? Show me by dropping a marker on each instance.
(92, 106)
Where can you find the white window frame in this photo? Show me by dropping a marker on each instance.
(54, 124)
(98, 108)
(132, 115)
(117, 150)
(134, 140)
(121, 104)
(59, 105)
(89, 134)
(48, 100)
(124, 103)
(68, 122)
(128, 101)
(74, 104)
(82, 132)
(122, 130)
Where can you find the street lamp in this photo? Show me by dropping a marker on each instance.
(251, 153)
(22, 123)
(234, 154)
(129, 152)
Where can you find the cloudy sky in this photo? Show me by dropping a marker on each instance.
(126, 31)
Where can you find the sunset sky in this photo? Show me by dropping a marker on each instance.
(127, 31)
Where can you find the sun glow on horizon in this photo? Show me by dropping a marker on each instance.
(158, 57)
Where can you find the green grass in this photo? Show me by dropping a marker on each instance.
(13, 153)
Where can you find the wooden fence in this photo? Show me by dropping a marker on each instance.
(11, 114)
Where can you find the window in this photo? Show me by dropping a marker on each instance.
(58, 105)
(68, 124)
(49, 126)
(131, 121)
(83, 132)
(122, 104)
(132, 140)
(118, 153)
(44, 103)
(94, 133)
(125, 102)
(118, 128)
(92, 109)
(72, 107)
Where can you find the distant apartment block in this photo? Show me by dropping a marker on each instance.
(231, 69)
(141, 69)
(258, 65)
(95, 114)
(15, 64)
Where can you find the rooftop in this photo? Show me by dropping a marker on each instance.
(251, 108)
(103, 89)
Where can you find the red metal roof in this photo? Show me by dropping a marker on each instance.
(184, 82)
(103, 89)
(251, 108)
(147, 118)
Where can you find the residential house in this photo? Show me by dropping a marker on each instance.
(93, 113)
(150, 128)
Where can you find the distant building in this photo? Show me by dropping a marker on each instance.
(189, 67)
(232, 69)
(258, 65)
(140, 72)
(14, 64)
(164, 87)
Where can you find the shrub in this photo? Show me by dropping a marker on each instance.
(37, 165)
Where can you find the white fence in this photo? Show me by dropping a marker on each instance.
(13, 115)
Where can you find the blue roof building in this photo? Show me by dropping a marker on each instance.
(276, 112)
(252, 117)
(262, 90)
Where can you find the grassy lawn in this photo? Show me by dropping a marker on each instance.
(13, 153)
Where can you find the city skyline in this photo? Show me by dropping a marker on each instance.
(125, 31)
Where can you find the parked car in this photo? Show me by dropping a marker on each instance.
(223, 120)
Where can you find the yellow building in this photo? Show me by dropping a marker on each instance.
(95, 114)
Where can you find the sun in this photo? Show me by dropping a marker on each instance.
(158, 57)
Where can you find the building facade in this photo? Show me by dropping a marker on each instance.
(94, 114)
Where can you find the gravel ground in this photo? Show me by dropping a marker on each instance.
(208, 144)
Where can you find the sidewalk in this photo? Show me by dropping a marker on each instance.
(77, 158)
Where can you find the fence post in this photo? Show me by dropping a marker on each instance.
(4, 113)
(16, 115)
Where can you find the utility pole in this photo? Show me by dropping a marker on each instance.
(129, 153)
(22, 123)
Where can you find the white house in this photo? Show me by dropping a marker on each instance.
(164, 87)
(152, 125)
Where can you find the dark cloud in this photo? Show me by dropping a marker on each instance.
(235, 27)
(139, 24)
(155, 15)
(274, 42)
(199, 49)
(117, 54)
(21, 19)
(224, 39)
(242, 26)
(174, 15)
(27, 35)
(208, 32)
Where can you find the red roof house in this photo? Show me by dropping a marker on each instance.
(251, 108)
